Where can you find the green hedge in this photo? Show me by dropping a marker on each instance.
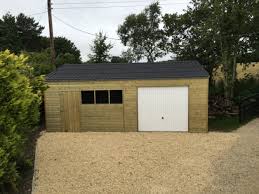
(20, 97)
(243, 87)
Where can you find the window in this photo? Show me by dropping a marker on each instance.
(102, 97)
(115, 96)
(87, 97)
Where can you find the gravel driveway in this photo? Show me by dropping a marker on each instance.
(148, 162)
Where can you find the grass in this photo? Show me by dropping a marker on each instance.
(224, 123)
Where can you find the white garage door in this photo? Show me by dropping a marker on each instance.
(163, 109)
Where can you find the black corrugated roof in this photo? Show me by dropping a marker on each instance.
(127, 71)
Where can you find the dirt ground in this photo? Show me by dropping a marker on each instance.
(148, 162)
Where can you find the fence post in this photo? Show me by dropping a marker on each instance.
(240, 112)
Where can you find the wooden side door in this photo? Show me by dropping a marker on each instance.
(70, 111)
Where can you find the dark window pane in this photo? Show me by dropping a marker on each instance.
(116, 96)
(87, 97)
(102, 97)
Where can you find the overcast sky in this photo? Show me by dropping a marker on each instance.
(87, 19)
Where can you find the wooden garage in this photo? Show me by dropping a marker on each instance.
(128, 97)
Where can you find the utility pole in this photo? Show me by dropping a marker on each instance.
(51, 38)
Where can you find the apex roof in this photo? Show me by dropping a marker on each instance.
(128, 71)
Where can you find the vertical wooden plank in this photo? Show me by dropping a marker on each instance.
(66, 111)
(77, 99)
(62, 116)
(73, 111)
(70, 113)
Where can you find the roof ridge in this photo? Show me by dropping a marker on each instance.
(162, 62)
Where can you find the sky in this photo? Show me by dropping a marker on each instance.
(91, 20)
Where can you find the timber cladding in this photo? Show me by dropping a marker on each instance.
(65, 112)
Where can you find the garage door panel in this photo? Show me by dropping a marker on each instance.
(163, 109)
(180, 108)
(147, 97)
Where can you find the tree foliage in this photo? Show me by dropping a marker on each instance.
(66, 58)
(100, 49)
(214, 32)
(20, 97)
(255, 36)
(125, 57)
(23, 34)
(40, 61)
(118, 59)
(142, 32)
(20, 33)
(129, 56)
(64, 48)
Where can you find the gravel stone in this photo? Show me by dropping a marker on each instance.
(148, 162)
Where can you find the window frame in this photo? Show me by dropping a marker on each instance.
(108, 101)
(109, 97)
(84, 101)
(121, 97)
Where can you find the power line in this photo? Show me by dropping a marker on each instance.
(107, 2)
(112, 6)
(40, 18)
(75, 28)
(39, 13)
(42, 14)
(92, 34)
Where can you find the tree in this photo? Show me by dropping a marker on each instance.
(63, 46)
(66, 58)
(100, 49)
(23, 34)
(255, 37)
(191, 42)
(214, 32)
(20, 97)
(40, 61)
(129, 56)
(125, 57)
(118, 59)
(143, 34)
(20, 33)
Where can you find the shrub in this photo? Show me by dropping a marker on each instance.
(216, 88)
(244, 87)
(40, 61)
(20, 98)
(66, 58)
(247, 86)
